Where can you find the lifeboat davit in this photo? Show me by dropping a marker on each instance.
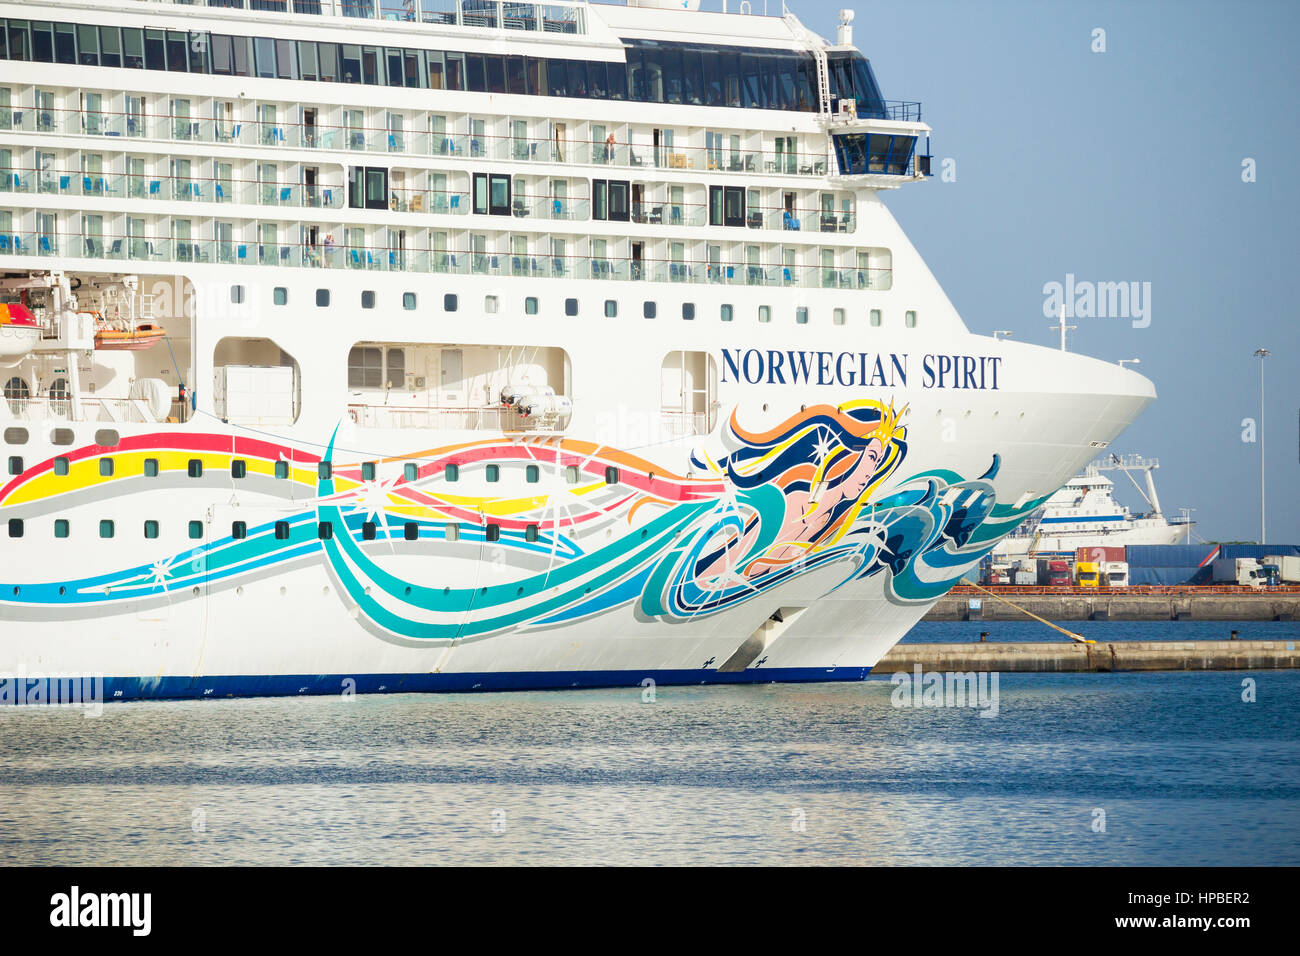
(19, 331)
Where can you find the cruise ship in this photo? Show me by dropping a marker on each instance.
(416, 345)
(1085, 513)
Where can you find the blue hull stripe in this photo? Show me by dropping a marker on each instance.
(290, 685)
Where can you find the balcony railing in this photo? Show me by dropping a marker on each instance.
(388, 259)
(481, 14)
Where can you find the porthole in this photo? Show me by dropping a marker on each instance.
(107, 438)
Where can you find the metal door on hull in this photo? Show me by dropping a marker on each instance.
(451, 377)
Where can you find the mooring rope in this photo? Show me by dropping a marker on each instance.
(1056, 627)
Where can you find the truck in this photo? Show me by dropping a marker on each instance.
(1114, 574)
(1087, 574)
(1242, 571)
(1288, 567)
(1053, 572)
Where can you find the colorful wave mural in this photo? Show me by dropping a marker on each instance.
(610, 530)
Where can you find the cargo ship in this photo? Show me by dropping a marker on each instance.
(463, 345)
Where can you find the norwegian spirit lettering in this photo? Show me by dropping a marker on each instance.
(847, 369)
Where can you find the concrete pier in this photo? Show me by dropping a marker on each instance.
(1118, 605)
(1113, 656)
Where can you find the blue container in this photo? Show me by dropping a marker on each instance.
(1257, 551)
(1167, 577)
(1168, 555)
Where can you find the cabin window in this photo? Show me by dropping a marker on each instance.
(16, 436)
(611, 308)
(571, 474)
(409, 471)
(838, 316)
(493, 532)
(195, 530)
(875, 318)
(408, 301)
(282, 531)
(688, 392)
(492, 472)
(61, 465)
(530, 305)
(366, 367)
(491, 194)
(61, 528)
(150, 529)
(411, 531)
(15, 527)
(238, 468)
(324, 470)
(325, 530)
(688, 311)
(63, 436)
(368, 298)
(570, 307)
(15, 464)
(801, 315)
(105, 437)
(451, 472)
(532, 474)
(449, 302)
(727, 313)
(151, 467)
(765, 313)
(649, 309)
(451, 532)
(195, 468)
(909, 319)
(105, 528)
(368, 530)
(530, 532)
(492, 305)
(611, 475)
(282, 469)
(367, 471)
(280, 295)
(238, 530)
(323, 298)
(237, 294)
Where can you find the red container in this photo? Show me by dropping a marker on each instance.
(1096, 552)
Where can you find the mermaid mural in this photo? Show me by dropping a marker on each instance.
(778, 504)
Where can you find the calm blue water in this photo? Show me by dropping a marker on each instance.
(1185, 772)
(1027, 630)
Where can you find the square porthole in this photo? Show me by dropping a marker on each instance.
(532, 474)
(282, 531)
(324, 470)
(368, 299)
(195, 530)
(106, 468)
(61, 465)
(570, 307)
(282, 469)
(493, 532)
(237, 294)
(688, 311)
(151, 529)
(492, 472)
(649, 309)
(15, 464)
(280, 295)
(195, 468)
(238, 530)
(491, 304)
(106, 528)
(571, 474)
(367, 471)
(325, 530)
(909, 319)
(530, 532)
(151, 467)
(765, 313)
(410, 471)
(368, 530)
(838, 317)
(611, 308)
(875, 318)
(15, 527)
(530, 305)
(238, 468)
(727, 313)
(801, 315)
(611, 475)
(451, 472)
(61, 528)
(450, 303)
(323, 298)
(451, 532)
(411, 531)
(408, 301)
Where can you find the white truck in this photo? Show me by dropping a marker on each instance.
(1244, 571)
(1288, 567)
(1115, 574)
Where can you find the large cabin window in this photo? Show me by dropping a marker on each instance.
(688, 393)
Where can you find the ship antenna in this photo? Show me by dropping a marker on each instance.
(1063, 327)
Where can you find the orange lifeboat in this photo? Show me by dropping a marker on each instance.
(19, 331)
(124, 336)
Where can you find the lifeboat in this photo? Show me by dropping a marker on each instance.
(125, 336)
(19, 331)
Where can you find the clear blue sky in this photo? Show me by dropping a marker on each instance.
(1123, 165)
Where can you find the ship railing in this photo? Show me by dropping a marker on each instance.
(385, 258)
(479, 14)
(683, 424)
(88, 408)
(447, 417)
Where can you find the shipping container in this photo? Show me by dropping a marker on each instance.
(1099, 553)
(1245, 571)
(1288, 567)
(1026, 578)
(1257, 551)
(1162, 577)
(1170, 555)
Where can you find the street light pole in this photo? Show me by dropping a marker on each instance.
(1261, 354)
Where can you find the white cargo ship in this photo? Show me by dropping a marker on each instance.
(460, 344)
